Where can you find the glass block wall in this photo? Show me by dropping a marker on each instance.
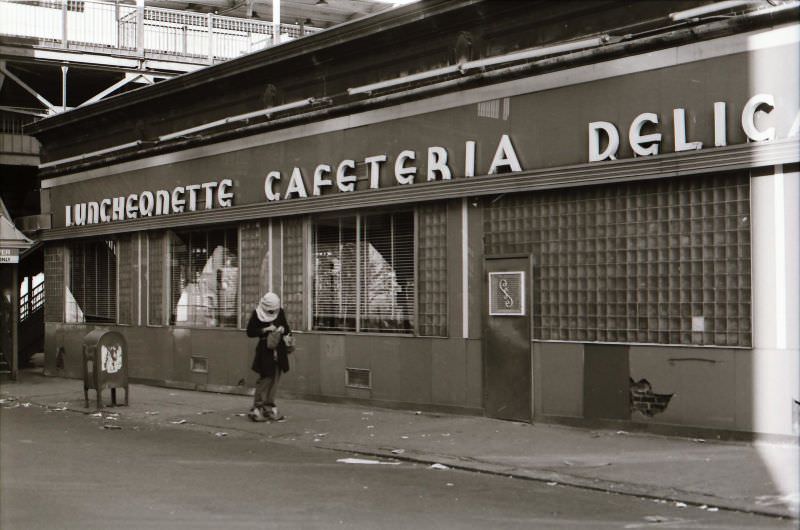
(432, 269)
(125, 277)
(254, 266)
(293, 271)
(155, 278)
(54, 285)
(664, 262)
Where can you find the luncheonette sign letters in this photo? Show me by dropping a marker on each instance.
(426, 165)
(148, 203)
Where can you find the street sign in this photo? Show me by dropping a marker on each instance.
(9, 255)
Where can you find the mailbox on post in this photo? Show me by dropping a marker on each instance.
(105, 364)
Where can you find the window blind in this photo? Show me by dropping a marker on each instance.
(387, 273)
(364, 273)
(91, 294)
(335, 274)
(204, 278)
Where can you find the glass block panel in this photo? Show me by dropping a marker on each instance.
(125, 274)
(254, 266)
(155, 278)
(647, 259)
(293, 284)
(432, 270)
(54, 286)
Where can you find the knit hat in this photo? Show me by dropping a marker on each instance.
(267, 309)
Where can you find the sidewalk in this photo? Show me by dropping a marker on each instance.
(758, 478)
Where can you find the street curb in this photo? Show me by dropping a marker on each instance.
(555, 478)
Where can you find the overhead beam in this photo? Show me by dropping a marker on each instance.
(28, 89)
(129, 78)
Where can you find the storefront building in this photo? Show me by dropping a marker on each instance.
(584, 212)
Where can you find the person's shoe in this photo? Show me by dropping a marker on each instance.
(272, 414)
(256, 414)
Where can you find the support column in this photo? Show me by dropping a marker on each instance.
(15, 321)
(64, 70)
(276, 22)
(775, 250)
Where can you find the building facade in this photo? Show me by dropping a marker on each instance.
(584, 212)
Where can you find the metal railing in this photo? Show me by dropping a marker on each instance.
(31, 302)
(142, 31)
(12, 139)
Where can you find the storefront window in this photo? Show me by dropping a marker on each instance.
(204, 278)
(364, 273)
(91, 293)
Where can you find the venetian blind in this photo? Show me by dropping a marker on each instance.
(92, 288)
(387, 272)
(204, 278)
(334, 301)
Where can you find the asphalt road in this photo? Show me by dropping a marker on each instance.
(61, 469)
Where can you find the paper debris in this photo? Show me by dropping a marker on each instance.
(552, 483)
(26, 405)
(364, 461)
(151, 412)
(202, 412)
(450, 484)
(398, 451)
(112, 427)
(680, 504)
(178, 422)
(220, 434)
(96, 415)
(438, 466)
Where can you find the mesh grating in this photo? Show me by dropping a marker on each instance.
(665, 262)
(432, 267)
(358, 378)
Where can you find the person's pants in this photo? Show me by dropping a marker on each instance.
(266, 388)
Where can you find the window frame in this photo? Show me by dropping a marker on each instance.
(68, 283)
(170, 313)
(359, 217)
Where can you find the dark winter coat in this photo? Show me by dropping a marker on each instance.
(266, 360)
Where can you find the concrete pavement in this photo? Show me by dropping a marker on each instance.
(752, 477)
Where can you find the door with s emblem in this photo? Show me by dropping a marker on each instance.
(507, 339)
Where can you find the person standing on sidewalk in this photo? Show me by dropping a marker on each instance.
(268, 323)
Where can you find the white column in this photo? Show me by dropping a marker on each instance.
(276, 22)
(775, 248)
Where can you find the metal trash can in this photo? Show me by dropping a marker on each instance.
(105, 364)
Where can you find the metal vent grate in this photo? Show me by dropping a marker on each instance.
(198, 364)
(358, 378)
